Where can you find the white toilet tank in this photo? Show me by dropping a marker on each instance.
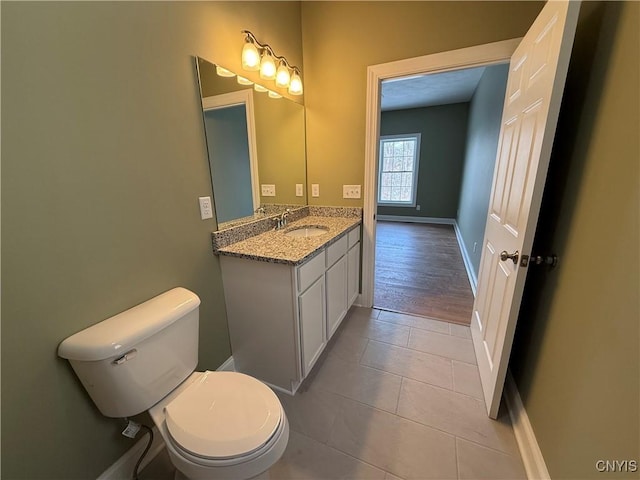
(132, 360)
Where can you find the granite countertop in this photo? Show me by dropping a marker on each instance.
(276, 247)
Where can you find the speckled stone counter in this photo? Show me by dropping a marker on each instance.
(276, 247)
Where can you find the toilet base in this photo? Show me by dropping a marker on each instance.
(263, 476)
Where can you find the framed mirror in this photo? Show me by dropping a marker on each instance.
(256, 148)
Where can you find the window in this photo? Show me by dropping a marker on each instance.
(398, 177)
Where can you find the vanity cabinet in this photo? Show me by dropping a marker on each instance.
(281, 316)
(312, 325)
(353, 271)
(336, 284)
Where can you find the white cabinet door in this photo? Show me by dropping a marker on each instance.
(312, 324)
(353, 274)
(336, 278)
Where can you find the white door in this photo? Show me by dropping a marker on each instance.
(537, 74)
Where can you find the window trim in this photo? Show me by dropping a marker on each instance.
(411, 136)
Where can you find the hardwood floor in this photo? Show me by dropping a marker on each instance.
(419, 270)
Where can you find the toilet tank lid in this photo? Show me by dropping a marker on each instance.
(118, 334)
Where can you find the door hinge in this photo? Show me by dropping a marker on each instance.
(549, 260)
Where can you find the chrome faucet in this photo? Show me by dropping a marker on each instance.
(281, 221)
(259, 211)
(283, 217)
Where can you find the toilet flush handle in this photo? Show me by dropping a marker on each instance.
(127, 356)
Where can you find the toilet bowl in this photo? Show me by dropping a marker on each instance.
(222, 425)
(214, 424)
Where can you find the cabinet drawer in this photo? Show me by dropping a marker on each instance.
(354, 236)
(310, 272)
(337, 250)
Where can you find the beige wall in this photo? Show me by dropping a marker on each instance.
(340, 39)
(280, 144)
(103, 158)
(576, 358)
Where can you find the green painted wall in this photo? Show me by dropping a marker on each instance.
(576, 355)
(340, 39)
(103, 158)
(443, 132)
(485, 115)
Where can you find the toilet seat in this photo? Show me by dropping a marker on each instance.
(223, 416)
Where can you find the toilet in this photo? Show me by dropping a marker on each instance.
(214, 424)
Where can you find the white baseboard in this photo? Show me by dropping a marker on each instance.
(532, 458)
(122, 469)
(358, 301)
(468, 266)
(398, 218)
(227, 366)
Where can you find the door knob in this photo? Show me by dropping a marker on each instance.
(504, 256)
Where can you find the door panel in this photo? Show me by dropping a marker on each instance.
(534, 91)
(312, 324)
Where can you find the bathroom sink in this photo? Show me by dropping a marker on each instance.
(306, 231)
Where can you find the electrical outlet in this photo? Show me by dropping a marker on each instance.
(206, 211)
(418, 207)
(299, 190)
(315, 190)
(268, 190)
(350, 191)
(475, 245)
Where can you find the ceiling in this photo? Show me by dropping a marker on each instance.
(430, 89)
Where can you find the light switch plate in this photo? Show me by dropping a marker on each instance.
(299, 190)
(268, 190)
(351, 191)
(206, 211)
(315, 190)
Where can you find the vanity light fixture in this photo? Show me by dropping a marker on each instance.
(250, 55)
(283, 76)
(223, 72)
(257, 56)
(295, 86)
(273, 94)
(259, 88)
(243, 81)
(267, 65)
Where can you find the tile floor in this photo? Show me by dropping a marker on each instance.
(393, 397)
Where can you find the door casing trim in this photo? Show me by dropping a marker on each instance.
(476, 56)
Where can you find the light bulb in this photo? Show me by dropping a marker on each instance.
(259, 88)
(295, 87)
(273, 94)
(244, 81)
(282, 76)
(223, 72)
(250, 57)
(267, 66)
